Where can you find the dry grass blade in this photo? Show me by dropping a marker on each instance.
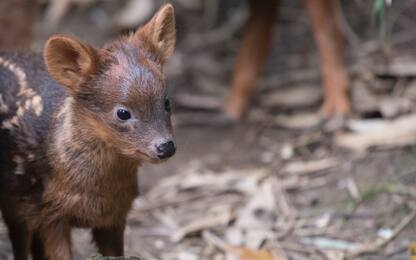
(298, 97)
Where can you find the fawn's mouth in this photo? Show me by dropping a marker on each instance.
(151, 158)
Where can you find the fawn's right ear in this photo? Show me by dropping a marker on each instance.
(69, 61)
(160, 31)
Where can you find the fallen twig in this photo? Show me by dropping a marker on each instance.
(306, 167)
(203, 224)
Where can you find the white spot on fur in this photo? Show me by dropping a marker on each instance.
(33, 101)
(17, 71)
(20, 169)
(30, 156)
(27, 100)
(65, 135)
(3, 106)
(20, 111)
(37, 105)
(10, 123)
(7, 125)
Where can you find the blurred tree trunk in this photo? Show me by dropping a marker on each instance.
(16, 23)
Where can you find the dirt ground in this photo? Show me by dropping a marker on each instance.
(366, 194)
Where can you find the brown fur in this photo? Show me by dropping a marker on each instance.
(84, 161)
(253, 52)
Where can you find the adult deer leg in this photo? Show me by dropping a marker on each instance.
(329, 40)
(251, 56)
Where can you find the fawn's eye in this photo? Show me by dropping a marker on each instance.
(123, 114)
(167, 105)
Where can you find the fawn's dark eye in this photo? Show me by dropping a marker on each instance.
(123, 114)
(167, 105)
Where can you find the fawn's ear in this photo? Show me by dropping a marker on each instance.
(160, 30)
(69, 61)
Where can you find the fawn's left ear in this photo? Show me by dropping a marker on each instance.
(69, 61)
(160, 30)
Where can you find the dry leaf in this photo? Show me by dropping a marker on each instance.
(248, 254)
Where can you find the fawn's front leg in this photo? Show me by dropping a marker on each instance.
(251, 56)
(110, 240)
(37, 247)
(18, 232)
(56, 238)
(329, 40)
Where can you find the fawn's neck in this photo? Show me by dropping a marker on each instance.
(90, 183)
(77, 148)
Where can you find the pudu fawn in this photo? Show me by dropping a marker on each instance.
(71, 140)
(254, 50)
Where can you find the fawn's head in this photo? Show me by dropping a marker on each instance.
(119, 90)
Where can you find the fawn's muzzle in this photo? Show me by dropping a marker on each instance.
(166, 150)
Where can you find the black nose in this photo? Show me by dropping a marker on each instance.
(166, 150)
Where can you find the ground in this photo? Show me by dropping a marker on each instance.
(327, 202)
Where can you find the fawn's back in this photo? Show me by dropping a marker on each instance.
(25, 119)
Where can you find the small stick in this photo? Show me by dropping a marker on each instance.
(202, 224)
